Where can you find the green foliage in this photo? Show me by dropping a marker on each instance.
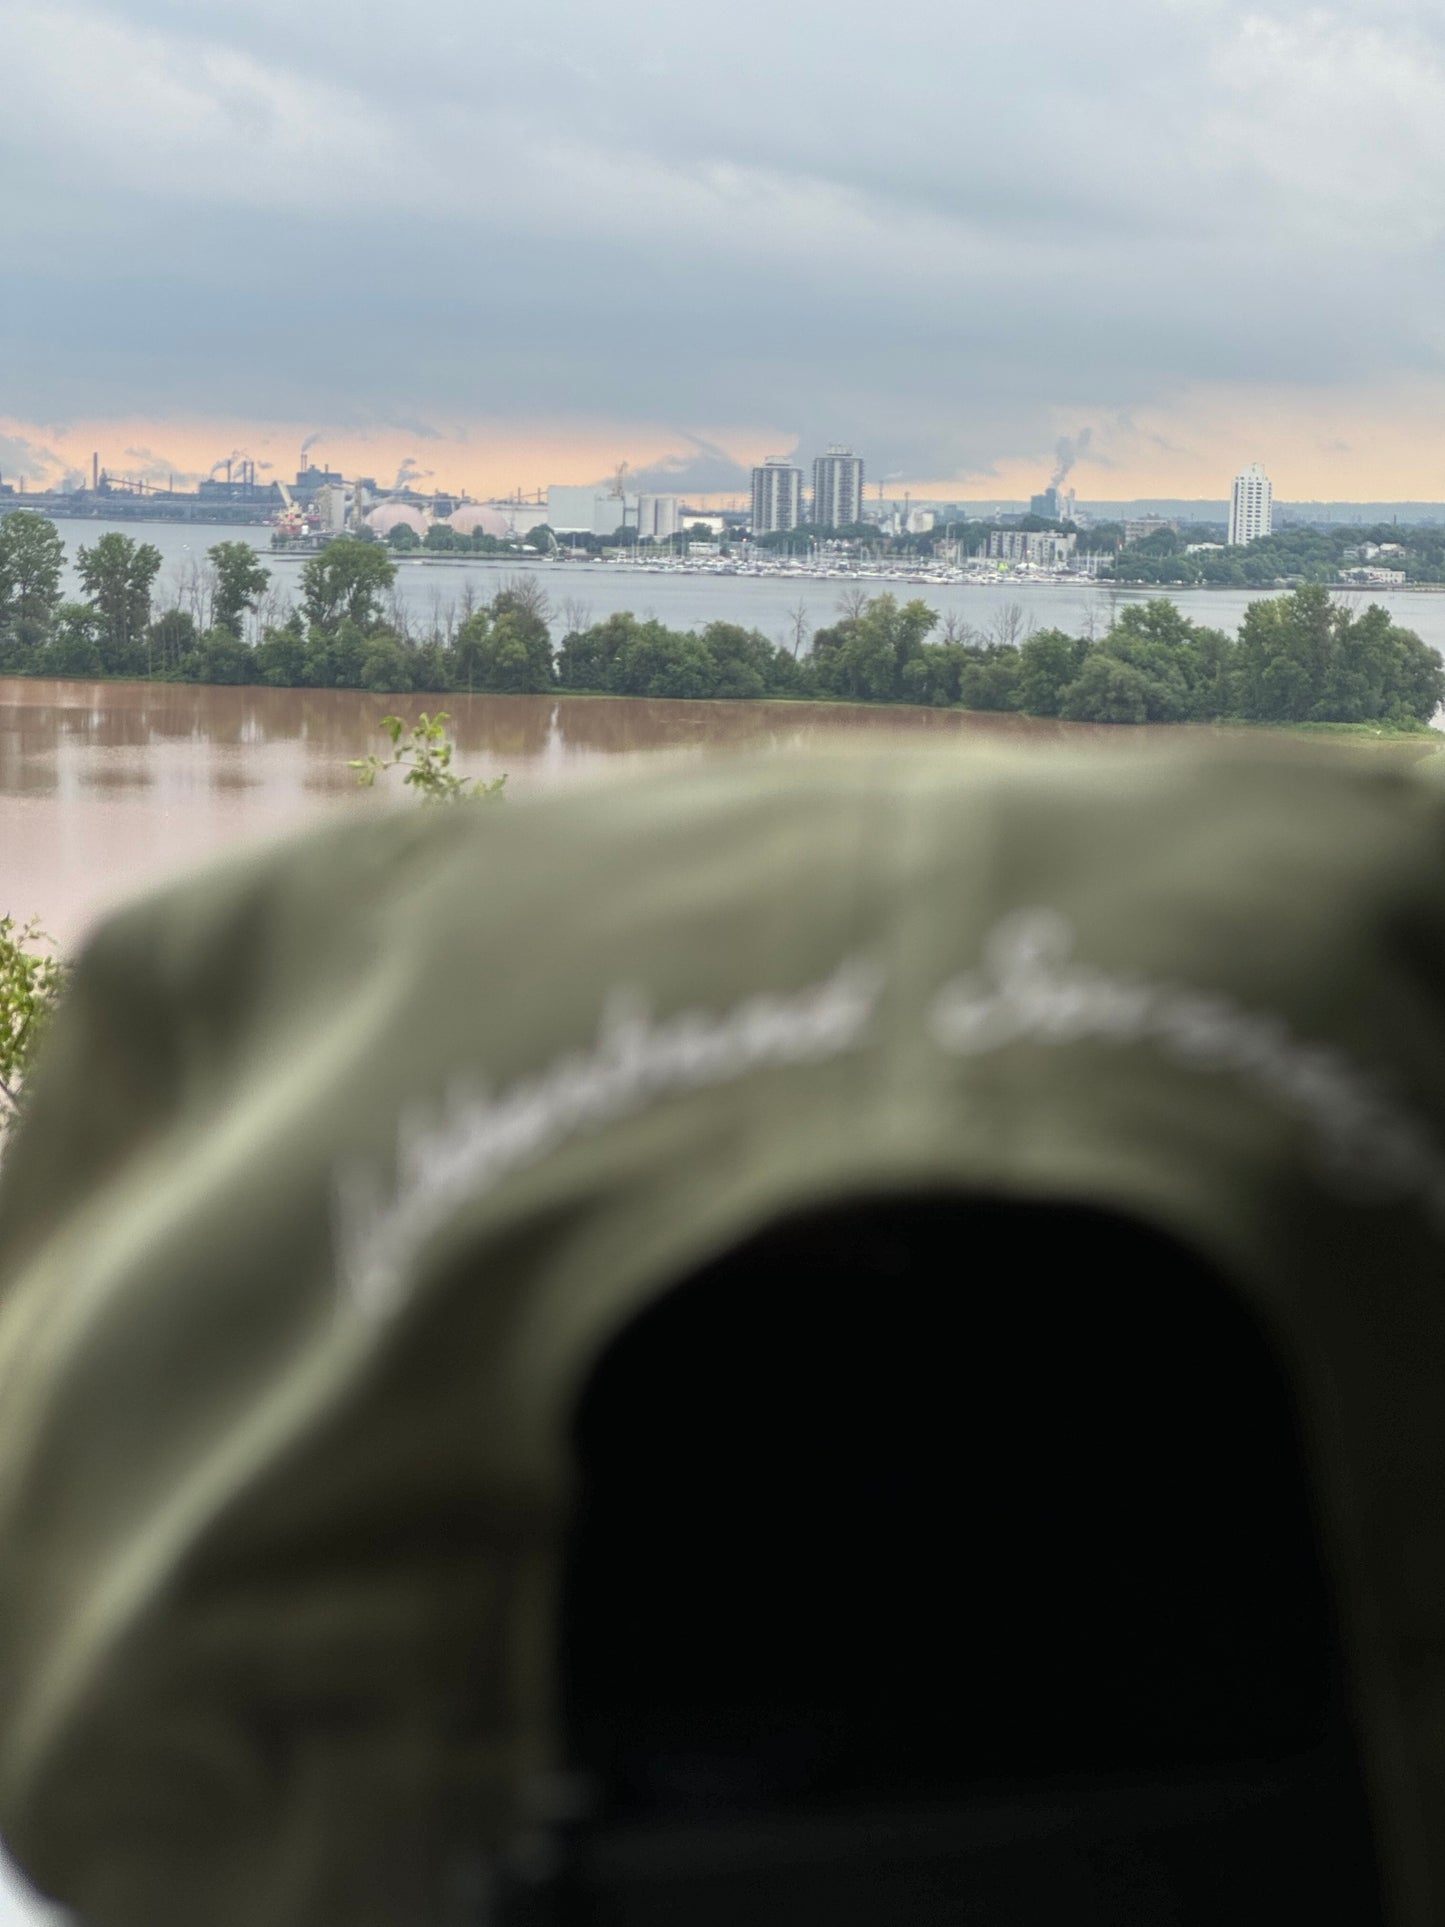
(1107, 690)
(173, 637)
(240, 582)
(990, 676)
(1289, 555)
(403, 538)
(1304, 658)
(504, 652)
(424, 750)
(624, 657)
(345, 583)
(1176, 680)
(281, 658)
(118, 575)
(31, 979)
(655, 661)
(385, 665)
(32, 557)
(865, 657)
(1301, 657)
(1048, 663)
(74, 647)
(221, 657)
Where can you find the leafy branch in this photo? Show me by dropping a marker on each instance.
(424, 751)
(31, 978)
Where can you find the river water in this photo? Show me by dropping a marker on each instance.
(108, 787)
(431, 591)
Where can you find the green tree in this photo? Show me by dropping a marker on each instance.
(1157, 639)
(586, 657)
(747, 663)
(1107, 690)
(989, 678)
(403, 538)
(385, 664)
(426, 757)
(657, 661)
(32, 557)
(31, 979)
(336, 658)
(1303, 658)
(1285, 652)
(503, 654)
(345, 583)
(1380, 672)
(935, 675)
(863, 657)
(172, 638)
(1048, 662)
(240, 582)
(74, 646)
(221, 657)
(281, 658)
(118, 575)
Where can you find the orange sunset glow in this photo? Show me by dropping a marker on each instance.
(1321, 445)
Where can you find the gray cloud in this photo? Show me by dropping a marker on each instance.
(19, 456)
(708, 470)
(145, 465)
(942, 260)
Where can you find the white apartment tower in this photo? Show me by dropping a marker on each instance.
(1251, 508)
(838, 488)
(777, 497)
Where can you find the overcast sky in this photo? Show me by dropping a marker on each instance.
(519, 244)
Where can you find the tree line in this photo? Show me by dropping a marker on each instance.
(1298, 658)
(1173, 558)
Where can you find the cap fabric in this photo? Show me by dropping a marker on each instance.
(346, 1162)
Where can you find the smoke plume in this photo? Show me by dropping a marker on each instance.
(1070, 448)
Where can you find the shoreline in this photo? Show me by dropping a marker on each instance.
(751, 573)
(1432, 733)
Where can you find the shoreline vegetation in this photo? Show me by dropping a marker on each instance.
(1299, 658)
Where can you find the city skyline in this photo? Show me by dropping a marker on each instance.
(502, 469)
(508, 257)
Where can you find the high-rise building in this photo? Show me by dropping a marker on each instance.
(1251, 507)
(777, 497)
(838, 488)
(1058, 504)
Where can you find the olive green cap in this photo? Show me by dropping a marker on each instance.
(346, 1162)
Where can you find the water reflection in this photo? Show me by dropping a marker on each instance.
(106, 787)
(299, 740)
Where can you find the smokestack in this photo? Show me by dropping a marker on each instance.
(95, 471)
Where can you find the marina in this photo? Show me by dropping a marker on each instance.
(786, 599)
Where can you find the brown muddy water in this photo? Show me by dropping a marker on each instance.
(107, 788)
